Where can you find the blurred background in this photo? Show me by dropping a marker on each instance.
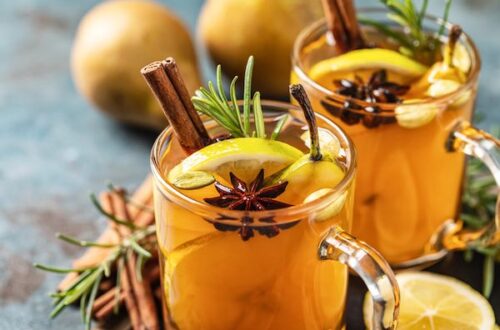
(55, 148)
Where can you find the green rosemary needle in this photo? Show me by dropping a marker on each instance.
(214, 103)
(411, 36)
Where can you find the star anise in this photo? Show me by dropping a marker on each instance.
(377, 90)
(253, 197)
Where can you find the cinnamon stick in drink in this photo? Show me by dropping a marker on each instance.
(343, 24)
(173, 73)
(182, 116)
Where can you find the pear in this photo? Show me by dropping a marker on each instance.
(232, 30)
(114, 40)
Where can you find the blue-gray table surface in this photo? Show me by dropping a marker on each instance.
(54, 148)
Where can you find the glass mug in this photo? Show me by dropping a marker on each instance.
(212, 279)
(409, 179)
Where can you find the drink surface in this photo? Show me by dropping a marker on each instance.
(408, 184)
(215, 279)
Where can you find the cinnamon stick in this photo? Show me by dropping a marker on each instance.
(141, 216)
(107, 305)
(191, 135)
(140, 290)
(130, 299)
(107, 298)
(173, 73)
(108, 203)
(343, 24)
(104, 305)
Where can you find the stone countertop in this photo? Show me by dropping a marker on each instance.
(49, 160)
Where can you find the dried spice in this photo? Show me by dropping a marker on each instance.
(252, 197)
(377, 90)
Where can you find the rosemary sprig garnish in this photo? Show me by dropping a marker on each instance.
(478, 210)
(86, 286)
(214, 103)
(413, 40)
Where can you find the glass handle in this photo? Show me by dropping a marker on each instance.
(481, 145)
(373, 270)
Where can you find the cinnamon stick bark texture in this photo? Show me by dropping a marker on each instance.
(138, 295)
(343, 24)
(191, 134)
(173, 73)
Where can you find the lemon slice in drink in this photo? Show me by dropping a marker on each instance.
(242, 156)
(430, 301)
(372, 58)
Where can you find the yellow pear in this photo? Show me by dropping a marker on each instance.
(114, 41)
(232, 30)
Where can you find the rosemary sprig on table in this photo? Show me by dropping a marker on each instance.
(85, 286)
(412, 37)
(214, 103)
(478, 209)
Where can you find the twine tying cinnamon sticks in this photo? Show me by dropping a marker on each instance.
(343, 24)
(166, 82)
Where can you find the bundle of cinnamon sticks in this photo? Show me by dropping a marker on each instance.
(141, 297)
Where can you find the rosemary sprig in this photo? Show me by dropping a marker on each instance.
(478, 210)
(85, 287)
(411, 36)
(214, 103)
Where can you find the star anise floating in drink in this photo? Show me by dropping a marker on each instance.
(252, 197)
(377, 90)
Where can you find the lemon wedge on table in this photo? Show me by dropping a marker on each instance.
(372, 58)
(242, 156)
(437, 302)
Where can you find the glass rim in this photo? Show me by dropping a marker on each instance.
(295, 212)
(445, 99)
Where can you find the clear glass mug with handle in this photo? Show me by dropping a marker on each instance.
(290, 272)
(411, 157)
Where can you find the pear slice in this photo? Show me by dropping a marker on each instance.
(306, 176)
(315, 170)
(331, 210)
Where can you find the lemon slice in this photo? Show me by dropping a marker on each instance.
(242, 156)
(328, 142)
(430, 301)
(372, 58)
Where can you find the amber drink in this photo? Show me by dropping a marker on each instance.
(400, 114)
(240, 268)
